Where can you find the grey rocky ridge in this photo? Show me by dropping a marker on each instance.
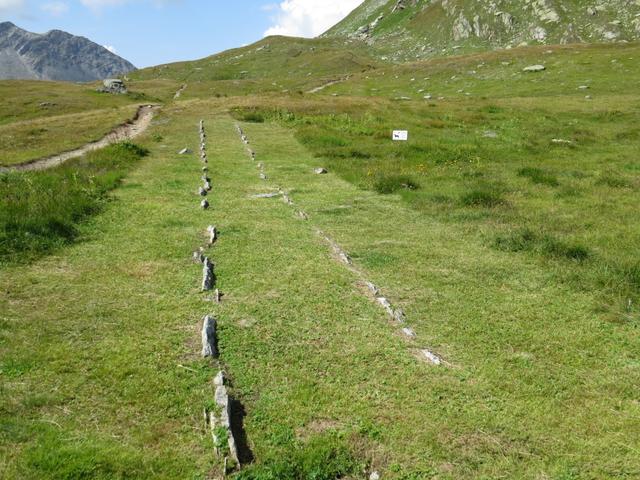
(409, 29)
(55, 55)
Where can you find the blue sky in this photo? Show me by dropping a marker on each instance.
(151, 32)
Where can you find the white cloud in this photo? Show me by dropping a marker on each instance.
(308, 18)
(111, 48)
(11, 5)
(55, 8)
(97, 5)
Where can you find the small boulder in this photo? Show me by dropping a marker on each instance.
(114, 86)
(320, 171)
(534, 68)
(184, 151)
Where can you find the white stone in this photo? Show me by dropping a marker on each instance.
(534, 68)
(209, 337)
(432, 357)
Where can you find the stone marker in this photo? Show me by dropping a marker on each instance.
(399, 316)
(219, 379)
(184, 151)
(202, 192)
(320, 171)
(208, 277)
(534, 68)
(374, 476)
(372, 288)
(432, 357)
(217, 296)
(213, 234)
(198, 255)
(263, 176)
(302, 215)
(409, 332)
(344, 258)
(209, 337)
(224, 407)
(385, 303)
(204, 204)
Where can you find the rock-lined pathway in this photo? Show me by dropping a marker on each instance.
(395, 314)
(219, 418)
(127, 131)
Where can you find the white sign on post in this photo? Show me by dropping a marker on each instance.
(400, 135)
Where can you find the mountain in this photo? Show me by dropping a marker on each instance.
(410, 29)
(55, 55)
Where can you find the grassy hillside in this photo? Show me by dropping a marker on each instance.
(505, 230)
(38, 119)
(272, 65)
(410, 29)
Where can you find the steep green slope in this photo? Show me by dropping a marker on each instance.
(405, 29)
(273, 64)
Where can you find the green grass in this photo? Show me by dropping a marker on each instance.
(39, 119)
(40, 211)
(27, 140)
(514, 257)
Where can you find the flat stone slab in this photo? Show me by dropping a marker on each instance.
(266, 195)
(534, 68)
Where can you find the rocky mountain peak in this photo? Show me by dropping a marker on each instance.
(55, 55)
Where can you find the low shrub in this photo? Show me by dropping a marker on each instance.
(545, 244)
(392, 183)
(486, 197)
(538, 176)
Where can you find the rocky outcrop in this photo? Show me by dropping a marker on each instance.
(415, 29)
(55, 55)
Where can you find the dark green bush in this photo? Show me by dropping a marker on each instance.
(483, 197)
(545, 244)
(538, 176)
(392, 183)
(253, 117)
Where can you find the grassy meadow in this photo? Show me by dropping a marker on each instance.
(505, 228)
(39, 119)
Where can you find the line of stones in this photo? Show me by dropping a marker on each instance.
(396, 314)
(217, 420)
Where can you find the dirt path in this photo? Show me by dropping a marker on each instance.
(126, 131)
(179, 92)
(325, 85)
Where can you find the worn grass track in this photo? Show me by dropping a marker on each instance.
(536, 369)
(99, 342)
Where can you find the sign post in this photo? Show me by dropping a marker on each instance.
(400, 135)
